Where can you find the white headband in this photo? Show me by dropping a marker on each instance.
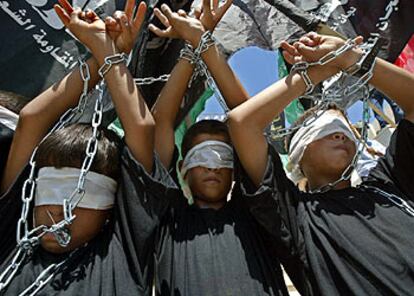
(208, 154)
(8, 118)
(326, 124)
(55, 185)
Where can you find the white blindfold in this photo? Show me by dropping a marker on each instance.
(209, 154)
(326, 124)
(55, 185)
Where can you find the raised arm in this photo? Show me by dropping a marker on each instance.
(168, 104)
(129, 104)
(401, 89)
(38, 116)
(397, 84)
(248, 121)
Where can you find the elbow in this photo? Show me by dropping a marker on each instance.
(26, 116)
(237, 123)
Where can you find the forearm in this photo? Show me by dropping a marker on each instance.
(260, 110)
(131, 108)
(44, 110)
(226, 80)
(38, 116)
(166, 108)
(247, 121)
(168, 104)
(397, 84)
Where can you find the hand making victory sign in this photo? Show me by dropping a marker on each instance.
(180, 25)
(106, 41)
(123, 27)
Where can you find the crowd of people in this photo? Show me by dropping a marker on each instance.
(133, 231)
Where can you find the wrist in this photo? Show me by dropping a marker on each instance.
(349, 58)
(195, 38)
(103, 49)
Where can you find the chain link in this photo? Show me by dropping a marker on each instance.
(402, 204)
(340, 90)
(27, 240)
(206, 41)
(151, 80)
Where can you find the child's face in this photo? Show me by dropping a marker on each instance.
(209, 185)
(328, 156)
(87, 224)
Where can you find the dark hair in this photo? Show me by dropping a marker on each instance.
(66, 148)
(308, 113)
(12, 101)
(213, 127)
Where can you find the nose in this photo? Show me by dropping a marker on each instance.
(339, 137)
(215, 170)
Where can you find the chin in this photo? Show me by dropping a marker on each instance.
(49, 243)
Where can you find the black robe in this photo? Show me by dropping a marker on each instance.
(207, 251)
(343, 242)
(118, 261)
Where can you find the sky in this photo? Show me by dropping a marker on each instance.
(258, 69)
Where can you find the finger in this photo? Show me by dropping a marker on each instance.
(163, 19)
(206, 7)
(112, 25)
(66, 6)
(129, 8)
(167, 11)
(215, 4)
(288, 57)
(304, 50)
(197, 13)
(117, 14)
(314, 36)
(91, 15)
(288, 48)
(64, 17)
(76, 15)
(157, 31)
(140, 16)
(358, 39)
(182, 13)
(125, 26)
(307, 41)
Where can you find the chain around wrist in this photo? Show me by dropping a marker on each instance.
(112, 60)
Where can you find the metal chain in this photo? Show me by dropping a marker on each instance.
(349, 91)
(402, 204)
(151, 80)
(347, 173)
(28, 240)
(205, 43)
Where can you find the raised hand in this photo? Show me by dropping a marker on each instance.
(178, 25)
(211, 12)
(123, 28)
(86, 26)
(312, 47)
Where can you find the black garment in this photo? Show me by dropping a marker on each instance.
(206, 251)
(344, 242)
(6, 137)
(118, 261)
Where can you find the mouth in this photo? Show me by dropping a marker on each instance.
(211, 180)
(342, 147)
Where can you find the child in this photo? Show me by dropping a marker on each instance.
(110, 250)
(215, 246)
(344, 241)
